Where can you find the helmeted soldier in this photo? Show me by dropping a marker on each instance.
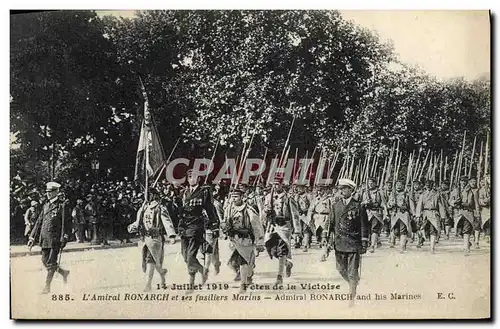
(52, 230)
(150, 223)
(348, 223)
(399, 206)
(484, 196)
(242, 226)
(282, 220)
(465, 206)
(375, 204)
(429, 211)
(198, 222)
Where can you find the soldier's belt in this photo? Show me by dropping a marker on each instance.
(322, 213)
(280, 220)
(152, 233)
(431, 209)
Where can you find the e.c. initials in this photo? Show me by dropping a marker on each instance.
(449, 295)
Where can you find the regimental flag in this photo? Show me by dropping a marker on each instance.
(149, 141)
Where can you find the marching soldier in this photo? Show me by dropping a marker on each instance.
(415, 194)
(196, 227)
(303, 202)
(375, 205)
(282, 219)
(448, 220)
(399, 206)
(349, 225)
(318, 213)
(477, 218)
(465, 206)
(52, 230)
(484, 203)
(429, 211)
(242, 226)
(386, 192)
(150, 224)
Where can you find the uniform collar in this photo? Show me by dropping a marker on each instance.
(347, 201)
(54, 199)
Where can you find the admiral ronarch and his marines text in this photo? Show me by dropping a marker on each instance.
(291, 164)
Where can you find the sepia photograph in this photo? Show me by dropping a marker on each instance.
(250, 164)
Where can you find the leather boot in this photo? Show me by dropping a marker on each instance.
(204, 276)
(64, 274)
(403, 243)
(48, 280)
(476, 239)
(192, 276)
(393, 241)
(433, 244)
(352, 290)
(466, 244)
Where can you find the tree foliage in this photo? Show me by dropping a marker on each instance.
(223, 76)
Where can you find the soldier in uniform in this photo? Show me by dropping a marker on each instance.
(429, 211)
(374, 202)
(399, 206)
(415, 194)
(477, 218)
(386, 192)
(282, 219)
(30, 217)
(150, 224)
(484, 204)
(242, 226)
(91, 217)
(303, 202)
(447, 221)
(106, 219)
(318, 213)
(79, 221)
(195, 226)
(349, 225)
(125, 213)
(465, 206)
(52, 230)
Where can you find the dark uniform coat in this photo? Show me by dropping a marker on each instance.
(52, 223)
(350, 227)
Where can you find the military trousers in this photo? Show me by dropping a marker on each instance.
(348, 265)
(49, 257)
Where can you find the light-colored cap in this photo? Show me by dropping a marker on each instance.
(347, 182)
(52, 186)
(33, 203)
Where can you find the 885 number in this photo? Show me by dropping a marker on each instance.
(61, 297)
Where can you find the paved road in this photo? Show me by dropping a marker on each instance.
(464, 284)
